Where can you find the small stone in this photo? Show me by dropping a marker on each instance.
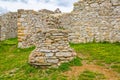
(115, 2)
(23, 16)
(54, 51)
(45, 51)
(94, 5)
(18, 24)
(21, 34)
(52, 60)
(63, 54)
(58, 34)
(40, 60)
(49, 54)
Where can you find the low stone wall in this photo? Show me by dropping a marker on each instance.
(52, 49)
(8, 26)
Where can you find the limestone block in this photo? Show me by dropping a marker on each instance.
(21, 34)
(24, 24)
(20, 31)
(45, 51)
(39, 30)
(20, 40)
(19, 24)
(49, 41)
(52, 60)
(63, 54)
(60, 47)
(116, 2)
(49, 54)
(21, 28)
(58, 34)
(40, 60)
(38, 54)
(24, 15)
(94, 5)
(21, 19)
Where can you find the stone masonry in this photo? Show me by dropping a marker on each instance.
(51, 49)
(50, 32)
(44, 32)
(8, 26)
(30, 23)
(93, 20)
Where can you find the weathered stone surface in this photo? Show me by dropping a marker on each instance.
(49, 54)
(90, 20)
(63, 54)
(45, 51)
(116, 2)
(52, 51)
(93, 20)
(53, 61)
(8, 25)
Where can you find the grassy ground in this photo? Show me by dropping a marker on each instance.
(89, 75)
(14, 64)
(102, 53)
(14, 61)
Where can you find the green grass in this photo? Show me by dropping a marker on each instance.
(89, 75)
(14, 64)
(66, 66)
(108, 53)
(14, 61)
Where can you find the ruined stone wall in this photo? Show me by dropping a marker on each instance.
(90, 20)
(30, 23)
(52, 49)
(43, 30)
(27, 28)
(8, 26)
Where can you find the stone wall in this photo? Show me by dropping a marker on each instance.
(30, 23)
(27, 21)
(8, 26)
(43, 31)
(52, 49)
(93, 20)
(90, 20)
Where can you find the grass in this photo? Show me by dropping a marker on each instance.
(14, 61)
(89, 75)
(14, 64)
(108, 53)
(66, 66)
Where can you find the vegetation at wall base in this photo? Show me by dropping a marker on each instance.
(14, 61)
(14, 64)
(74, 62)
(102, 52)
